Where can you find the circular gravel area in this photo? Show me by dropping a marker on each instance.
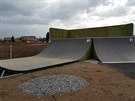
(50, 85)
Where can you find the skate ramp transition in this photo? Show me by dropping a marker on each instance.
(115, 50)
(57, 52)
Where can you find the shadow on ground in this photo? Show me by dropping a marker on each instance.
(127, 69)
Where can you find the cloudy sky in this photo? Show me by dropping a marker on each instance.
(35, 17)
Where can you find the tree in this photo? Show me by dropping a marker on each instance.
(1, 40)
(12, 39)
(47, 37)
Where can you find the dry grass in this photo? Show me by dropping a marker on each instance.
(19, 50)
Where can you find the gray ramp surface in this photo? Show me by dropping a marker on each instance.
(57, 52)
(115, 50)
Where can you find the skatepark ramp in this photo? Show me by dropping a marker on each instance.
(57, 52)
(115, 50)
(63, 51)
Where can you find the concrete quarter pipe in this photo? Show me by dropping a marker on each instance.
(57, 52)
(115, 50)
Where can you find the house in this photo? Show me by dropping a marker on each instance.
(7, 39)
(24, 39)
(28, 39)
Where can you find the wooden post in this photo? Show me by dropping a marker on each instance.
(10, 51)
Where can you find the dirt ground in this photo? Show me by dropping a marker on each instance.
(105, 84)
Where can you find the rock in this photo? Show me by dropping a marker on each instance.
(50, 85)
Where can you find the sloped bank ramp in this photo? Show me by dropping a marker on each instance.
(115, 50)
(57, 52)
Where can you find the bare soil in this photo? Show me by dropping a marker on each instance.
(105, 84)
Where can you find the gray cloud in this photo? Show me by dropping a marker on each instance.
(14, 7)
(111, 12)
(131, 3)
(36, 16)
(31, 11)
(64, 9)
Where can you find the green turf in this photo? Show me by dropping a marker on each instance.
(122, 30)
(108, 31)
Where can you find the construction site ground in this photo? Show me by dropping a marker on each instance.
(105, 84)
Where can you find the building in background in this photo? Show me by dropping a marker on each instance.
(25, 39)
(8, 39)
(28, 39)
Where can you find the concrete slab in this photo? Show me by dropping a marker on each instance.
(92, 61)
(31, 63)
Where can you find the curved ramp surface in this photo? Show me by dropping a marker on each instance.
(115, 50)
(57, 52)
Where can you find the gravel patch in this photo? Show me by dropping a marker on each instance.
(50, 85)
